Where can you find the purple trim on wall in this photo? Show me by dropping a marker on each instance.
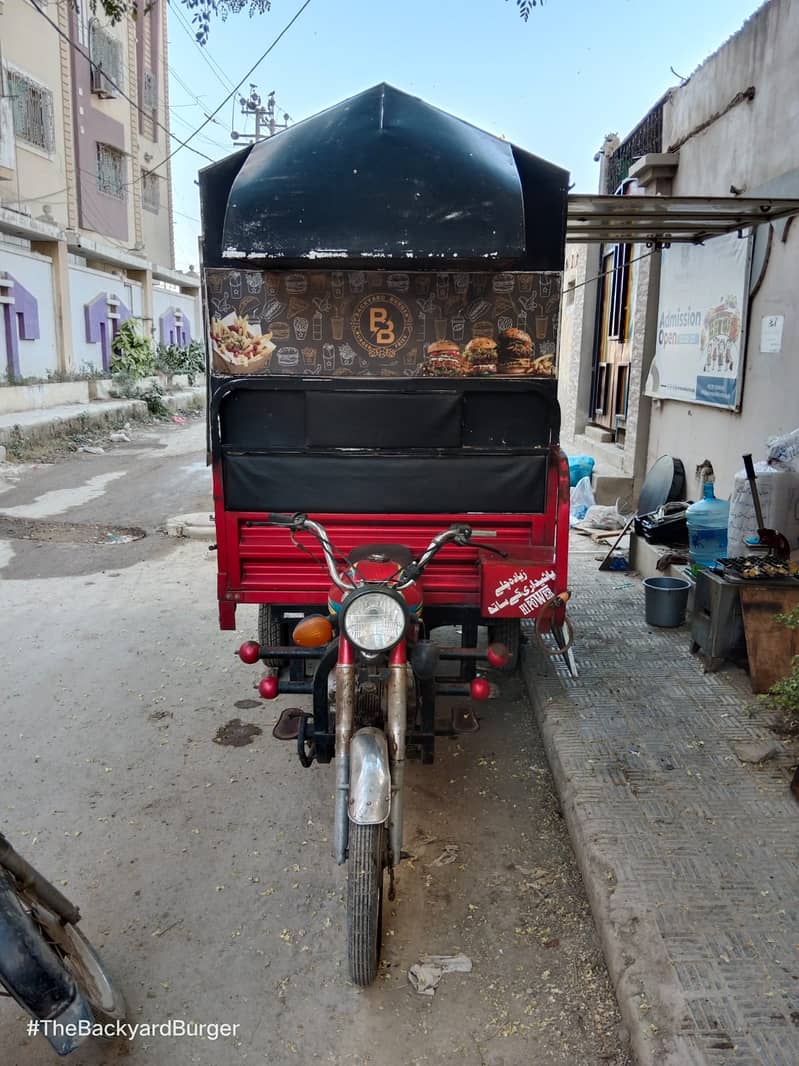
(101, 326)
(174, 327)
(20, 322)
(97, 211)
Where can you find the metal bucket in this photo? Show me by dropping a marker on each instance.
(666, 600)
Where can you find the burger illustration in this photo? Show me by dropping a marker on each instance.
(515, 353)
(442, 360)
(480, 356)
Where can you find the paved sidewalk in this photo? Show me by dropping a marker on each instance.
(689, 856)
(80, 417)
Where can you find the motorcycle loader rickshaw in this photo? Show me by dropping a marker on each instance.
(381, 287)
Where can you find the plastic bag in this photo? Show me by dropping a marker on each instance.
(582, 497)
(580, 466)
(599, 517)
(784, 449)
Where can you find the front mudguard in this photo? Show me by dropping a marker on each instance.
(33, 974)
(369, 800)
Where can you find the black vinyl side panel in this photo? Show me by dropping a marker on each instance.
(378, 484)
(382, 420)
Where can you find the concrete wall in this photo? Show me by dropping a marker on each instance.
(84, 287)
(754, 146)
(164, 299)
(39, 355)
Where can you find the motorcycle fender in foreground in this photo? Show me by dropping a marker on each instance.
(34, 975)
(370, 777)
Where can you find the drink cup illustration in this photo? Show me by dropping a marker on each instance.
(541, 324)
(337, 326)
(440, 326)
(316, 326)
(544, 284)
(300, 328)
(461, 282)
(442, 286)
(525, 284)
(521, 321)
(309, 357)
(411, 357)
(328, 358)
(346, 354)
(254, 282)
(337, 281)
(458, 326)
(357, 280)
(216, 282)
(235, 284)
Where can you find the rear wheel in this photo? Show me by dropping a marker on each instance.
(271, 632)
(365, 864)
(507, 631)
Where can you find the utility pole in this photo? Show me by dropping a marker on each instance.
(266, 125)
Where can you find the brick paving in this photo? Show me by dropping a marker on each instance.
(690, 857)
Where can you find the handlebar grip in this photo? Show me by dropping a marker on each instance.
(290, 521)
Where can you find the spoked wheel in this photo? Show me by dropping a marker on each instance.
(366, 861)
(271, 632)
(80, 959)
(507, 631)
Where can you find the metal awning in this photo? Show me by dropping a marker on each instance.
(662, 220)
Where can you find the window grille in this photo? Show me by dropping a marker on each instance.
(105, 52)
(646, 137)
(32, 108)
(150, 191)
(111, 171)
(150, 90)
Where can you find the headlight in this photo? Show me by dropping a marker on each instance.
(374, 621)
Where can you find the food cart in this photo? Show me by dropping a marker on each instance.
(382, 289)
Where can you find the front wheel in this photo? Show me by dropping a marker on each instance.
(365, 864)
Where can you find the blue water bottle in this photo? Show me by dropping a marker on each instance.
(707, 528)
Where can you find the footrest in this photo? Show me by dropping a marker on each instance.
(287, 726)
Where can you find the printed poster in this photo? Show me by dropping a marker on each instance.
(701, 327)
(355, 323)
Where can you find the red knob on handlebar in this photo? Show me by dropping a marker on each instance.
(480, 688)
(498, 656)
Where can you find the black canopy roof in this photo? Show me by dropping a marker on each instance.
(382, 179)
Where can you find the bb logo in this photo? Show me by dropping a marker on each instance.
(382, 324)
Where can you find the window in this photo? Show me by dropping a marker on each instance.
(619, 292)
(150, 90)
(105, 52)
(151, 191)
(32, 108)
(111, 171)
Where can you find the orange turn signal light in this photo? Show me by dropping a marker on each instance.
(313, 631)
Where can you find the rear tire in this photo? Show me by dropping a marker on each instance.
(507, 631)
(365, 864)
(271, 632)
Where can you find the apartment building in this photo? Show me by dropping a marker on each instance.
(85, 190)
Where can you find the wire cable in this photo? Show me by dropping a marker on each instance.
(235, 89)
(147, 114)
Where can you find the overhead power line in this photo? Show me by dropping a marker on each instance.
(147, 114)
(235, 89)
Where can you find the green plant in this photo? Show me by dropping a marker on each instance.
(132, 351)
(783, 696)
(153, 396)
(178, 359)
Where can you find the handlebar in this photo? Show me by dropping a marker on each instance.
(460, 533)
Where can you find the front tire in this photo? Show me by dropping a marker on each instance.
(365, 864)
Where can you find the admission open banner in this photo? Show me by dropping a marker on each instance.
(701, 326)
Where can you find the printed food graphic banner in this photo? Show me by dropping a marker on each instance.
(700, 339)
(354, 323)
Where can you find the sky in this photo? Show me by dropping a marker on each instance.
(578, 69)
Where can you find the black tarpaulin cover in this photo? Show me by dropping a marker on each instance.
(385, 177)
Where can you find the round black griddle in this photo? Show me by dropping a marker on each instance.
(664, 482)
